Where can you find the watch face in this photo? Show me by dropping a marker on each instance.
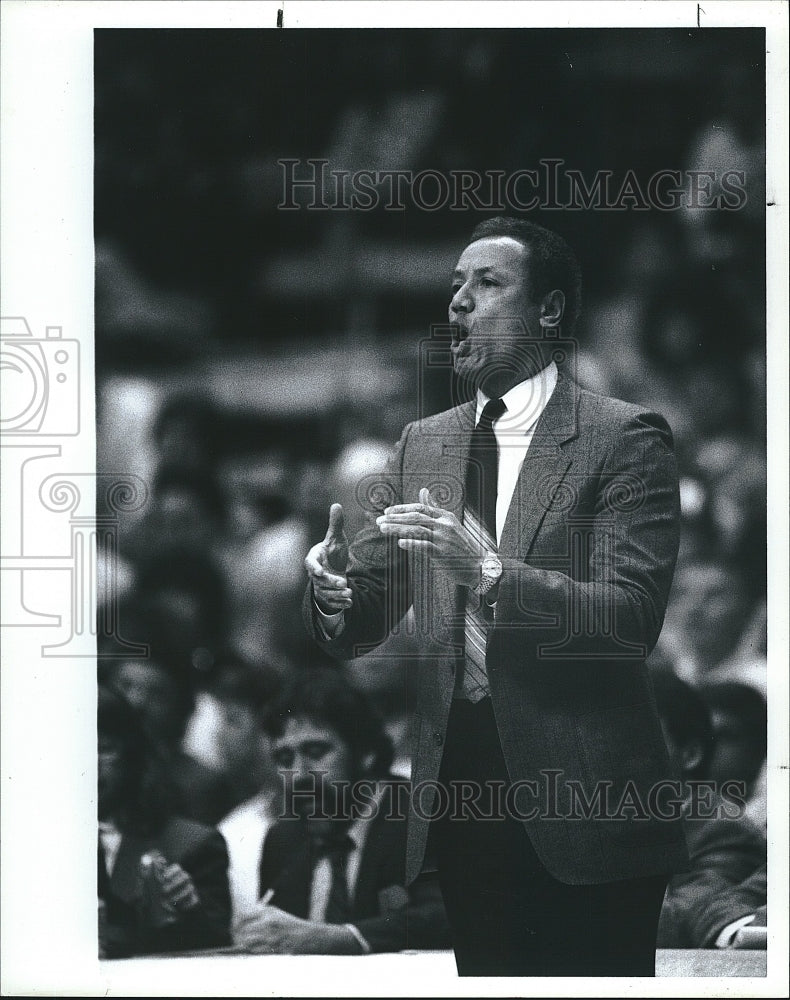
(491, 566)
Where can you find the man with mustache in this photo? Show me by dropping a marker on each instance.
(332, 876)
(538, 566)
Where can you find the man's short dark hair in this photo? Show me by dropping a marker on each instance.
(198, 483)
(256, 687)
(552, 264)
(197, 413)
(323, 695)
(191, 572)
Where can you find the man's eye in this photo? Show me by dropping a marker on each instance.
(488, 282)
(454, 289)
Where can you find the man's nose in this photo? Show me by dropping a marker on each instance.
(462, 301)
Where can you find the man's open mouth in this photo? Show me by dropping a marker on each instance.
(459, 334)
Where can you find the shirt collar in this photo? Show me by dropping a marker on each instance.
(525, 402)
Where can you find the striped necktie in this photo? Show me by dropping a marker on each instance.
(480, 520)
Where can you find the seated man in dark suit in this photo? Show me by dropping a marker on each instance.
(162, 879)
(724, 887)
(332, 877)
(163, 696)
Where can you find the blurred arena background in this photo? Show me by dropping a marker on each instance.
(253, 363)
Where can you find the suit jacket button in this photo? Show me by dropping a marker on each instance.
(438, 739)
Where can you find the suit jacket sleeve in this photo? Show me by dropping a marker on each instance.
(207, 925)
(625, 501)
(418, 921)
(726, 881)
(389, 915)
(731, 904)
(377, 572)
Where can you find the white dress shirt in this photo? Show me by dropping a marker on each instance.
(322, 873)
(514, 431)
(244, 830)
(110, 837)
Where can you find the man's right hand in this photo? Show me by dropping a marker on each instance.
(326, 566)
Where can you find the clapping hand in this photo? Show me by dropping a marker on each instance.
(425, 528)
(326, 565)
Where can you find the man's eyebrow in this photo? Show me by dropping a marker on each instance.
(486, 269)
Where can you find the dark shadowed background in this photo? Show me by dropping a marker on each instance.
(254, 363)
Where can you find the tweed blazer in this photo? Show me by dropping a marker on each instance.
(588, 548)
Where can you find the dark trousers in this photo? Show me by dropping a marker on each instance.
(508, 916)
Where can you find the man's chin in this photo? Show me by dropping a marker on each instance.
(469, 370)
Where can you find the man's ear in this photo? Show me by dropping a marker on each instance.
(552, 309)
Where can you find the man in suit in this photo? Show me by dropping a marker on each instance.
(725, 886)
(538, 566)
(332, 875)
(162, 878)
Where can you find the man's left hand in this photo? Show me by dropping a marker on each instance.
(271, 931)
(424, 527)
(179, 889)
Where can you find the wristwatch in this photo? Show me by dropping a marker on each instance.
(490, 573)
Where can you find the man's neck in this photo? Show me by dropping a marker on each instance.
(496, 387)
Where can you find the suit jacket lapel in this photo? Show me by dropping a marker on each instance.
(294, 875)
(543, 471)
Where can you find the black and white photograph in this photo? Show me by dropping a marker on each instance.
(394, 443)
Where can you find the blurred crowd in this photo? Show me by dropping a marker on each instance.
(255, 365)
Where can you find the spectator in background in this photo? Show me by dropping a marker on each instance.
(740, 740)
(184, 600)
(186, 516)
(732, 468)
(705, 905)
(242, 695)
(264, 583)
(332, 875)
(354, 476)
(186, 432)
(162, 879)
(708, 608)
(164, 698)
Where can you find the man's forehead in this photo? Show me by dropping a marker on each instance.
(299, 728)
(491, 250)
